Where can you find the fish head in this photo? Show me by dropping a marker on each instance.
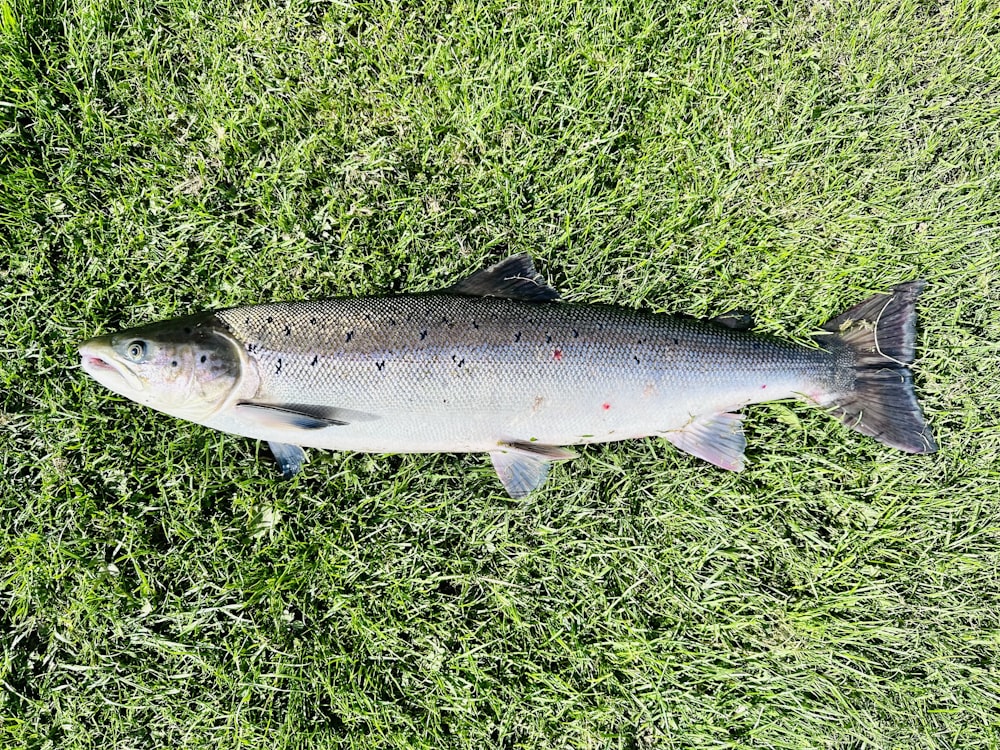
(188, 367)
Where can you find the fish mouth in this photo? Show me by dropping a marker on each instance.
(96, 362)
(94, 359)
(93, 363)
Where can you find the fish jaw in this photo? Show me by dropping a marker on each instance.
(99, 361)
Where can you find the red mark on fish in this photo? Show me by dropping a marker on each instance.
(557, 355)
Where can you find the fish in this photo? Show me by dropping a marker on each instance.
(497, 364)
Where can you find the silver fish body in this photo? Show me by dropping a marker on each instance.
(442, 372)
(494, 365)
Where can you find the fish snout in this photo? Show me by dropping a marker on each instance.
(94, 359)
(98, 361)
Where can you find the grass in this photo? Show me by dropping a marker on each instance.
(160, 587)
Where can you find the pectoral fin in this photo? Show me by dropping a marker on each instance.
(302, 416)
(289, 457)
(716, 438)
(522, 467)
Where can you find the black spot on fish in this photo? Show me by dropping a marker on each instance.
(278, 368)
(475, 325)
(270, 319)
(637, 360)
(461, 362)
(174, 363)
(315, 360)
(248, 321)
(350, 335)
(676, 342)
(576, 333)
(203, 359)
(548, 339)
(288, 330)
(368, 317)
(312, 320)
(517, 336)
(392, 321)
(423, 334)
(380, 365)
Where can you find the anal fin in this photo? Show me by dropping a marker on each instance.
(716, 438)
(523, 466)
(289, 457)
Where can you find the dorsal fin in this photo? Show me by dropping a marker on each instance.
(513, 278)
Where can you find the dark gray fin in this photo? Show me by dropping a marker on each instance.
(880, 334)
(289, 457)
(716, 438)
(522, 467)
(302, 416)
(736, 320)
(513, 278)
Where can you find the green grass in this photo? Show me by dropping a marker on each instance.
(161, 587)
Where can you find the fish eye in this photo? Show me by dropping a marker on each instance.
(136, 351)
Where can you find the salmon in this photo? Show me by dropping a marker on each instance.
(496, 364)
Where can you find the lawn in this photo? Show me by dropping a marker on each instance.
(160, 586)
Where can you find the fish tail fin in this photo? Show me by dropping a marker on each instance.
(880, 334)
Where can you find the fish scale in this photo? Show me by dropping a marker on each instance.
(493, 364)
